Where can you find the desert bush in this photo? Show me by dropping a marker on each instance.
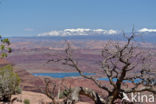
(9, 80)
(9, 83)
(26, 101)
(65, 93)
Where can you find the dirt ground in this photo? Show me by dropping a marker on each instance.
(34, 98)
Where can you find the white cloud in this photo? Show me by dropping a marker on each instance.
(79, 31)
(99, 30)
(147, 30)
(112, 32)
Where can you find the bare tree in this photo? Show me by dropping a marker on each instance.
(50, 90)
(70, 95)
(55, 90)
(123, 62)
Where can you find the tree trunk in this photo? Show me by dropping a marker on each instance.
(87, 92)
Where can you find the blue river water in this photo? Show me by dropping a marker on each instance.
(115, 79)
(62, 75)
(76, 74)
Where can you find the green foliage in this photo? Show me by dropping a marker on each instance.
(9, 80)
(4, 47)
(9, 83)
(5, 40)
(65, 93)
(26, 101)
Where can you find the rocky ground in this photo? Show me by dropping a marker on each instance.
(34, 98)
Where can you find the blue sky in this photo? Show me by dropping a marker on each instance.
(32, 17)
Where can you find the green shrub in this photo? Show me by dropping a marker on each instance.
(65, 93)
(26, 101)
(9, 83)
(4, 47)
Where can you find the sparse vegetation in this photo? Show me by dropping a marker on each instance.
(26, 101)
(9, 83)
(65, 93)
(9, 80)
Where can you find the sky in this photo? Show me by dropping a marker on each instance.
(38, 17)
